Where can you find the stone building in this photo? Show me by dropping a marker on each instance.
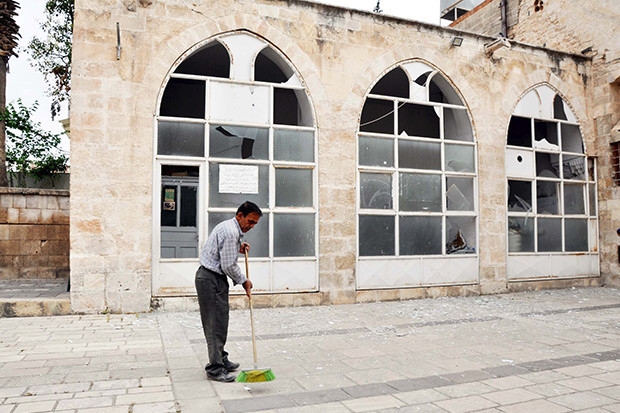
(393, 159)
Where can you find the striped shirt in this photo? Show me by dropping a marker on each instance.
(221, 251)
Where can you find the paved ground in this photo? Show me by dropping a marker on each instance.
(548, 351)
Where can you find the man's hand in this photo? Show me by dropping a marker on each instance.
(247, 286)
(244, 247)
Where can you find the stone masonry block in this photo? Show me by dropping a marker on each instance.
(29, 216)
(19, 201)
(27, 232)
(51, 202)
(10, 247)
(12, 216)
(35, 202)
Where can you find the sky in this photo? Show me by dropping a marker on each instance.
(421, 10)
(25, 82)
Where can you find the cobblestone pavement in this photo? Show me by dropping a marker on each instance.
(546, 351)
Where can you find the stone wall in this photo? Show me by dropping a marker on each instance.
(34, 233)
(339, 54)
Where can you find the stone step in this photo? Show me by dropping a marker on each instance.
(34, 307)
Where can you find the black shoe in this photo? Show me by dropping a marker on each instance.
(230, 366)
(223, 377)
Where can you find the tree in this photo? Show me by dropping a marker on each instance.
(29, 149)
(52, 55)
(9, 33)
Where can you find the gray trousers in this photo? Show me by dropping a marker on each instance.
(212, 289)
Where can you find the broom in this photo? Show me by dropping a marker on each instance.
(256, 375)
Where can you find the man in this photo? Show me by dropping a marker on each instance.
(218, 260)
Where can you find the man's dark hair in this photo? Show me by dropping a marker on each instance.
(248, 207)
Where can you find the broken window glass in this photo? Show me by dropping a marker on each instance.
(456, 125)
(547, 165)
(571, 138)
(521, 234)
(212, 60)
(440, 90)
(520, 132)
(238, 142)
(417, 166)
(460, 235)
(546, 135)
(559, 164)
(558, 108)
(377, 116)
(395, 83)
(574, 167)
(183, 98)
(285, 107)
(268, 67)
(547, 197)
(519, 196)
(418, 120)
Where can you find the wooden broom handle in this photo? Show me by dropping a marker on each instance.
(247, 275)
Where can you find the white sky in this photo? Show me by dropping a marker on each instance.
(24, 82)
(421, 10)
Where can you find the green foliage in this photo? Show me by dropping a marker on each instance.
(52, 55)
(29, 149)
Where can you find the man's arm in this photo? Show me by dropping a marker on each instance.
(228, 260)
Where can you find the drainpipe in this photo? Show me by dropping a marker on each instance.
(504, 6)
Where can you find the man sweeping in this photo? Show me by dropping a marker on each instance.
(218, 261)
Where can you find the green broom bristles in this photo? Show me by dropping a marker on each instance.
(255, 376)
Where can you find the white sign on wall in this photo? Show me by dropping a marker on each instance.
(238, 179)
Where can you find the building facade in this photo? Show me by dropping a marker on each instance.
(390, 162)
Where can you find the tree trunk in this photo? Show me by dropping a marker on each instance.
(3, 176)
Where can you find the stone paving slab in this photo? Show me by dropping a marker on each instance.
(544, 351)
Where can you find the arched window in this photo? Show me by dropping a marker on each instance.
(551, 188)
(234, 124)
(417, 208)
